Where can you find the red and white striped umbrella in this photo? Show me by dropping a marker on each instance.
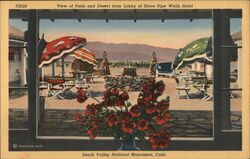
(56, 49)
(84, 55)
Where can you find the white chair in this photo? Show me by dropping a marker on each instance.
(182, 86)
(56, 88)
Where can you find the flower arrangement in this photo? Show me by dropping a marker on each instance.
(115, 116)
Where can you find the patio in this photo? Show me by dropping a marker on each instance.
(191, 117)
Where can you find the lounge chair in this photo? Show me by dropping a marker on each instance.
(57, 88)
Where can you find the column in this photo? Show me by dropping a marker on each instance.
(33, 81)
(221, 70)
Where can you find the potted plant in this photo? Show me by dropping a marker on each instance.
(115, 116)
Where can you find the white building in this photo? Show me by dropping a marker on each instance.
(17, 57)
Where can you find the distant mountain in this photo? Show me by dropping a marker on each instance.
(138, 52)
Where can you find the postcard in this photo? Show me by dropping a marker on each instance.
(125, 79)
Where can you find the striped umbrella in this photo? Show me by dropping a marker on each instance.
(85, 55)
(60, 47)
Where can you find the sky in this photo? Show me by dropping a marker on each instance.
(167, 34)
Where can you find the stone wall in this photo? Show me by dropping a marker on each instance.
(134, 83)
(60, 122)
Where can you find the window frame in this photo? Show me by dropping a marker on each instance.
(222, 140)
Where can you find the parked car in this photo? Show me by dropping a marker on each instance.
(164, 69)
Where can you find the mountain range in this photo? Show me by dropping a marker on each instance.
(134, 52)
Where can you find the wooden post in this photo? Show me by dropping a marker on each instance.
(221, 70)
(225, 70)
(33, 71)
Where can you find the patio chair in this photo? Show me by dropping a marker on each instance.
(182, 86)
(55, 88)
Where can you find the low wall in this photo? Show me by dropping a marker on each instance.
(134, 83)
(184, 123)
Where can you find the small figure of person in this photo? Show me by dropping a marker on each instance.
(105, 65)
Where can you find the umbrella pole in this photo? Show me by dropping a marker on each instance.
(63, 68)
(53, 70)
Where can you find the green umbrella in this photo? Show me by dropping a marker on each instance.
(198, 50)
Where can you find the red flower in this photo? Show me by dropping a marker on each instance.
(96, 122)
(160, 119)
(107, 95)
(81, 95)
(142, 125)
(125, 117)
(120, 102)
(128, 127)
(135, 111)
(112, 120)
(161, 139)
(115, 91)
(162, 106)
(141, 102)
(167, 116)
(90, 110)
(124, 96)
(147, 117)
(78, 117)
(150, 109)
(147, 96)
(92, 132)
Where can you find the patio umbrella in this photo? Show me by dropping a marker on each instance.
(85, 55)
(60, 47)
(198, 50)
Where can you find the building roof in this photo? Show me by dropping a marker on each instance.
(15, 33)
(237, 36)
